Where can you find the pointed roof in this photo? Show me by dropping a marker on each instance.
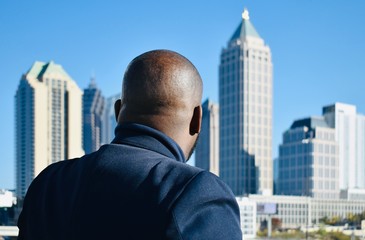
(40, 68)
(245, 28)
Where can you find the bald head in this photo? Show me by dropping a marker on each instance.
(159, 82)
(161, 89)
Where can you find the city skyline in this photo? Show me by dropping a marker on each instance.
(317, 50)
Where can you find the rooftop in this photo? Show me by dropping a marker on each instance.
(39, 69)
(245, 28)
(310, 122)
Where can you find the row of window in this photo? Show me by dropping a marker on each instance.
(303, 148)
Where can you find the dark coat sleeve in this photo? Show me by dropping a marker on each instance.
(206, 209)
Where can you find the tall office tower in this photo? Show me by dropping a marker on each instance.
(48, 125)
(245, 99)
(308, 160)
(93, 110)
(275, 174)
(109, 122)
(207, 148)
(350, 134)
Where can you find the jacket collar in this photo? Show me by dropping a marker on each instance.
(149, 138)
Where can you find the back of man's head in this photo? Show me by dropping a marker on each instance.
(162, 89)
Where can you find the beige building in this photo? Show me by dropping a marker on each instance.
(48, 111)
(245, 111)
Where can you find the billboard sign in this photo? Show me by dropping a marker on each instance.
(267, 208)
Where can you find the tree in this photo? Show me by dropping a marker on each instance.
(276, 223)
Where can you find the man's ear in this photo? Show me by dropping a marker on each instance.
(196, 120)
(117, 108)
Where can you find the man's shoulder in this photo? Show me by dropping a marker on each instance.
(206, 209)
(209, 185)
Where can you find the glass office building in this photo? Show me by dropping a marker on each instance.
(92, 111)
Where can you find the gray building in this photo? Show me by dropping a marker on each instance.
(92, 111)
(276, 174)
(245, 112)
(207, 148)
(109, 121)
(308, 160)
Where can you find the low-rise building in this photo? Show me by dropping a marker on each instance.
(248, 217)
(295, 211)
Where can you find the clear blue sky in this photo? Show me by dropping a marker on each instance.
(318, 48)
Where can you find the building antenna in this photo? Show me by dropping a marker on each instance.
(92, 80)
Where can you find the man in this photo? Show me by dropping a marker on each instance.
(138, 187)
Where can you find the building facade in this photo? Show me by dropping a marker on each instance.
(248, 215)
(308, 160)
(109, 121)
(92, 111)
(295, 211)
(48, 125)
(353, 194)
(245, 112)
(207, 148)
(350, 135)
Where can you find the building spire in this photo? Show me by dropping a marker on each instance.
(245, 28)
(92, 81)
(245, 15)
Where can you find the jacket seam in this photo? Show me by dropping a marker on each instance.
(177, 199)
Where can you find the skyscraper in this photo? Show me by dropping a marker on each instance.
(93, 110)
(308, 160)
(245, 99)
(48, 125)
(207, 148)
(109, 122)
(350, 134)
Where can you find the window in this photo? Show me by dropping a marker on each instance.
(327, 161)
(333, 149)
(327, 149)
(292, 150)
(333, 173)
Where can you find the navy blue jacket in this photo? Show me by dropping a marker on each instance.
(137, 187)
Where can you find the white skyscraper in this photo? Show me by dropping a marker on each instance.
(350, 135)
(245, 99)
(48, 112)
(207, 148)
